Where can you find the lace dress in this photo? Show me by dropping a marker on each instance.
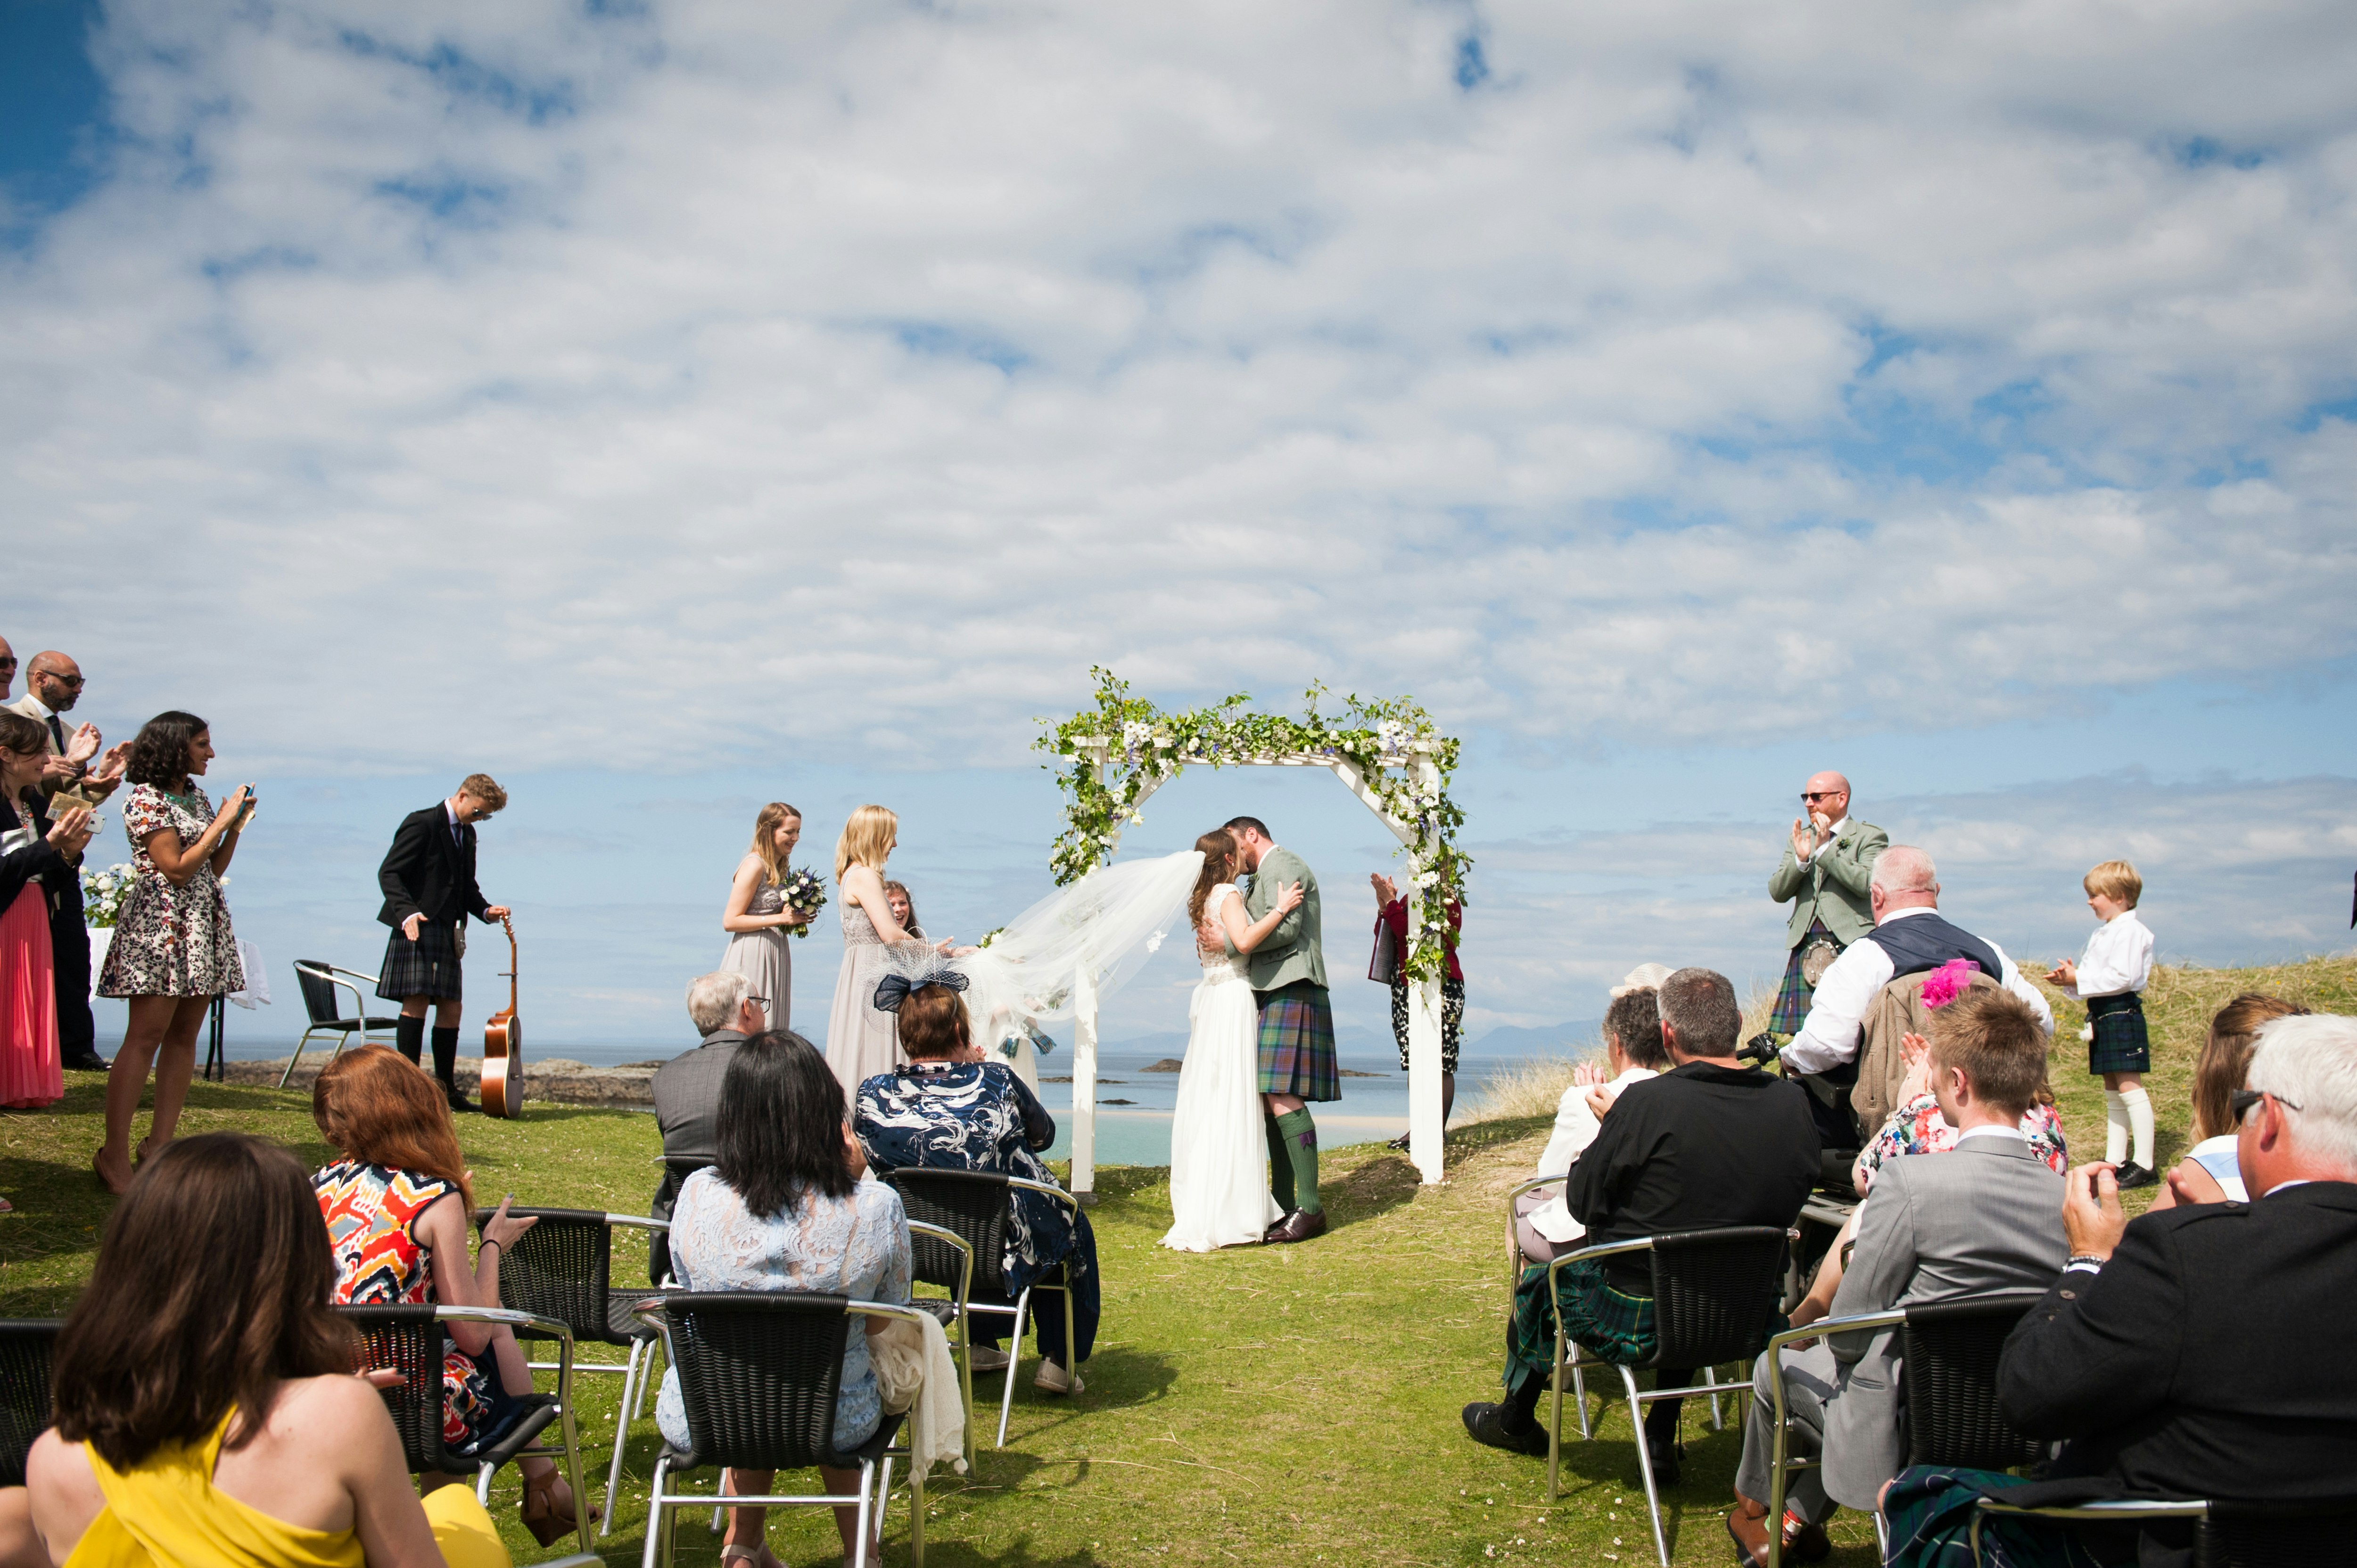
(171, 942)
(855, 1246)
(862, 1040)
(766, 957)
(1219, 1176)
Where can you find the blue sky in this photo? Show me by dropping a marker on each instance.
(674, 407)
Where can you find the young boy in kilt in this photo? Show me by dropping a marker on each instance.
(428, 877)
(1287, 972)
(2110, 978)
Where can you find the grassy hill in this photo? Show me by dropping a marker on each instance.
(1294, 1404)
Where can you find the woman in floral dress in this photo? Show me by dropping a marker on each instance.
(173, 951)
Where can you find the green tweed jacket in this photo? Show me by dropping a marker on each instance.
(1831, 887)
(1294, 949)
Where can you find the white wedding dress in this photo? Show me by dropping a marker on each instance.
(1219, 1149)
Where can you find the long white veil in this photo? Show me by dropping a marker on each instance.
(1104, 926)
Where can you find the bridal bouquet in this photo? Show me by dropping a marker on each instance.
(803, 890)
(103, 893)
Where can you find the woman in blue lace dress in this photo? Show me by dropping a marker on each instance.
(952, 1108)
(786, 1210)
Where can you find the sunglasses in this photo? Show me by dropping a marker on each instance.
(74, 681)
(9, 663)
(1819, 794)
(2244, 1098)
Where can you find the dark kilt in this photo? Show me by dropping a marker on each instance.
(1452, 1020)
(1793, 997)
(2121, 1044)
(1606, 1323)
(1297, 1043)
(426, 967)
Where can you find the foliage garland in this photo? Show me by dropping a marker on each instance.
(1146, 746)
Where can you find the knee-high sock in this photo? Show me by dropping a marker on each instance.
(2139, 1106)
(1661, 1415)
(1301, 1145)
(1518, 1413)
(446, 1056)
(409, 1035)
(2115, 1128)
(1280, 1164)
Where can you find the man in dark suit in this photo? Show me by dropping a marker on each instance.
(428, 877)
(2190, 1353)
(727, 1013)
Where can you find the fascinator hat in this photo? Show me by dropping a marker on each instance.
(910, 967)
(1644, 977)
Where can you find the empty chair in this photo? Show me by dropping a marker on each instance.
(318, 983)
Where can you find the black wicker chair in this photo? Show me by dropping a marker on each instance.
(2311, 1533)
(758, 1376)
(1715, 1294)
(562, 1268)
(409, 1339)
(319, 981)
(28, 1347)
(973, 1205)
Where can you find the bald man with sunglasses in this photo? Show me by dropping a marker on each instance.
(1824, 875)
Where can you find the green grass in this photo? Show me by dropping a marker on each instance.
(1288, 1404)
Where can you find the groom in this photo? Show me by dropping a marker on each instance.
(1297, 1028)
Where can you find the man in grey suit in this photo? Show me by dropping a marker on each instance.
(724, 1011)
(1287, 972)
(1824, 876)
(1985, 1217)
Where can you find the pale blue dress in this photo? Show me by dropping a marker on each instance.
(855, 1246)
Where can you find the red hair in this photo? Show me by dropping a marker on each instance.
(374, 1105)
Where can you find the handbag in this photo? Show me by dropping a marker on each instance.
(1384, 967)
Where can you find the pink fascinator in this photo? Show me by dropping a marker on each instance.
(1948, 981)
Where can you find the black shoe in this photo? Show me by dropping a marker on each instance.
(1488, 1424)
(1299, 1225)
(1399, 1143)
(86, 1061)
(1664, 1452)
(2130, 1175)
(1276, 1231)
(458, 1102)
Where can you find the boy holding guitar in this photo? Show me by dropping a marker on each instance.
(428, 877)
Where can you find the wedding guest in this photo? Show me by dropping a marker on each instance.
(173, 949)
(8, 669)
(428, 878)
(396, 1204)
(2211, 1171)
(726, 1012)
(783, 1209)
(953, 1108)
(1390, 922)
(1824, 876)
(206, 1410)
(860, 1040)
(39, 859)
(1632, 1052)
(2110, 976)
(904, 909)
(53, 684)
(758, 922)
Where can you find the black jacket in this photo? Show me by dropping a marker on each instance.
(425, 872)
(61, 883)
(1697, 1148)
(2206, 1359)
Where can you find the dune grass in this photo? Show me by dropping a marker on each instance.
(1262, 1406)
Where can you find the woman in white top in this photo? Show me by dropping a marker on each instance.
(1218, 1136)
(1634, 1051)
(2211, 1171)
(757, 917)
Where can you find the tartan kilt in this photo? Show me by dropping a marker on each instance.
(426, 967)
(1793, 997)
(1602, 1321)
(2121, 1043)
(1296, 1042)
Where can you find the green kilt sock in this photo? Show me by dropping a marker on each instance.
(1301, 1146)
(1280, 1165)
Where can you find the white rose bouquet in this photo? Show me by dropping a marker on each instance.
(802, 890)
(103, 893)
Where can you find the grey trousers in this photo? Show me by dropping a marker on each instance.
(1808, 1377)
(1536, 1248)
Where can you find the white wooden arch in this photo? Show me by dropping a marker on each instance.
(1423, 1107)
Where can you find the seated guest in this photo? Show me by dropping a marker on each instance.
(1935, 1227)
(2209, 1173)
(1633, 1053)
(951, 1107)
(206, 1411)
(724, 1011)
(1709, 1144)
(783, 1209)
(397, 1206)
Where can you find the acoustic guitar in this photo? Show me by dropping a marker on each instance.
(503, 1048)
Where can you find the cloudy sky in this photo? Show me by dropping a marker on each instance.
(673, 406)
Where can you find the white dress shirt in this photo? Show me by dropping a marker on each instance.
(2118, 958)
(1832, 833)
(1575, 1128)
(1828, 1037)
(2011, 1130)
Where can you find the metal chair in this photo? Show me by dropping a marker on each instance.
(409, 1339)
(27, 1348)
(319, 981)
(561, 1270)
(972, 1205)
(759, 1372)
(1947, 1375)
(1714, 1294)
(2311, 1533)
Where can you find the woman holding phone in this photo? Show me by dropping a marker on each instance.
(173, 950)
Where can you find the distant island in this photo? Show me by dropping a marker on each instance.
(1172, 1064)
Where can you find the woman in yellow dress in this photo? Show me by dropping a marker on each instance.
(207, 1416)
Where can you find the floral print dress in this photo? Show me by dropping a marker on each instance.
(1918, 1128)
(171, 942)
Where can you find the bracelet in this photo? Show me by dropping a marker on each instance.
(2083, 1259)
(489, 1242)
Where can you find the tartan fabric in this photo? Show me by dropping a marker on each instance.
(1793, 997)
(426, 967)
(1296, 1042)
(1602, 1321)
(2121, 1044)
(1930, 1510)
(1452, 1021)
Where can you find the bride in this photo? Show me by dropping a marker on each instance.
(1218, 1195)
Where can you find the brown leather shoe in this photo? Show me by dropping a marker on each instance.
(1750, 1533)
(1804, 1543)
(1300, 1226)
(1276, 1231)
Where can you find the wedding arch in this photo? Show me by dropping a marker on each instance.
(1387, 752)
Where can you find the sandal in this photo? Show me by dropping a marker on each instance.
(759, 1556)
(540, 1515)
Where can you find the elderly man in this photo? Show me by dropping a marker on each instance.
(53, 684)
(1824, 876)
(1910, 937)
(727, 1013)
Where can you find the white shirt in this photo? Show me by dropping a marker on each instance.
(1832, 833)
(1828, 1037)
(33, 708)
(2118, 958)
(1575, 1128)
(2012, 1131)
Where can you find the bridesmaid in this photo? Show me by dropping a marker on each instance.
(36, 856)
(862, 1039)
(757, 917)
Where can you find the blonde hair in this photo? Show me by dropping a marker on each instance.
(2114, 879)
(866, 840)
(485, 789)
(765, 838)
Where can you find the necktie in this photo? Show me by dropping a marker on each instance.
(58, 732)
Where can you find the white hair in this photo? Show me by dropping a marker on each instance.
(2312, 1062)
(1903, 868)
(713, 999)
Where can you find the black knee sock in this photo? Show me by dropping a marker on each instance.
(1280, 1165)
(445, 1057)
(1661, 1415)
(409, 1036)
(1518, 1414)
